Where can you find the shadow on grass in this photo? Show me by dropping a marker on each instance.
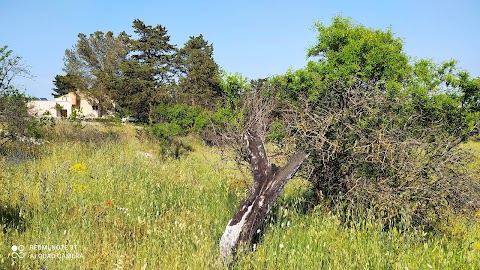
(174, 148)
(11, 219)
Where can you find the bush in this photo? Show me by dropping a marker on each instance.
(166, 130)
(15, 122)
(188, 118)
(396, 155)
(175, 120)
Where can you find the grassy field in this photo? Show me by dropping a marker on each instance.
(119, 204)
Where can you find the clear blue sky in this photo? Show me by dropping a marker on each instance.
(255, 38)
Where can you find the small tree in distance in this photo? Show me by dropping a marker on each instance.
(15, 121)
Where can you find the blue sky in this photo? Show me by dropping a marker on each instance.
(255, 38)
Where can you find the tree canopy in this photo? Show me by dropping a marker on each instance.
(347, 51)
(382, 133)
(92, 65)
(147, 72)
(201, 83)
(65, 84)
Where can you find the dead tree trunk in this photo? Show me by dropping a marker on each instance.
(269, 180)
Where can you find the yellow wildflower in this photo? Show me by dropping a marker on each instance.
(78, 168)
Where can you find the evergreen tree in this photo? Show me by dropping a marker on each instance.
(201, 83)
(148, 73)
(65, 84)
(92, 66)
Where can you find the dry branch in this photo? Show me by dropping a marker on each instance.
(269, 182)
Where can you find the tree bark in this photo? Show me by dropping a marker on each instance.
(269, 181)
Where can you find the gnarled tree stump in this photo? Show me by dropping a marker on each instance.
(269, 180)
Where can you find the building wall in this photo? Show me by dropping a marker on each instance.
(48, 107)
(87, 109)
(69, 102)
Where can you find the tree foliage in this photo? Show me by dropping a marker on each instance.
(92, 66)
(349, 52)
(148, 71)
(200, 84)
(11, 67)
(233, 87)
(65, 84)
(382, 134)
(142, 71)
(15, 121)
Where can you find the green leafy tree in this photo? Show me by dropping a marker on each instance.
(347, 51)
(92, 66)
(469, 87)
(448, 95)
(233, 86)
(382, 134)
(201, 83)
(14, 118)
(148, 72)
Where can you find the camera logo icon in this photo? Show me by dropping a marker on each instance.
(18, 252)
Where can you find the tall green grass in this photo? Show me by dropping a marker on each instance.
(119, 204)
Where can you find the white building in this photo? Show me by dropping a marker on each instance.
(63, 106)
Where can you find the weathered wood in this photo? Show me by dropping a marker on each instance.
(269, 181)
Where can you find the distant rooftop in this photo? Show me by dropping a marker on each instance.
(42, 99)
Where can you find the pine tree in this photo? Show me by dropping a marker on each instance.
(148, 73)
(201, 82)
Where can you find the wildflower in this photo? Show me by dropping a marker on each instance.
(124, 210)
(281, 245)
(476, 246)
(109, 203)
(78, 168)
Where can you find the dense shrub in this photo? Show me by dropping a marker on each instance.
(174, 120)
(382, 133)
(394, 154)
(184, 116)
(15, 122)
(166, 130)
